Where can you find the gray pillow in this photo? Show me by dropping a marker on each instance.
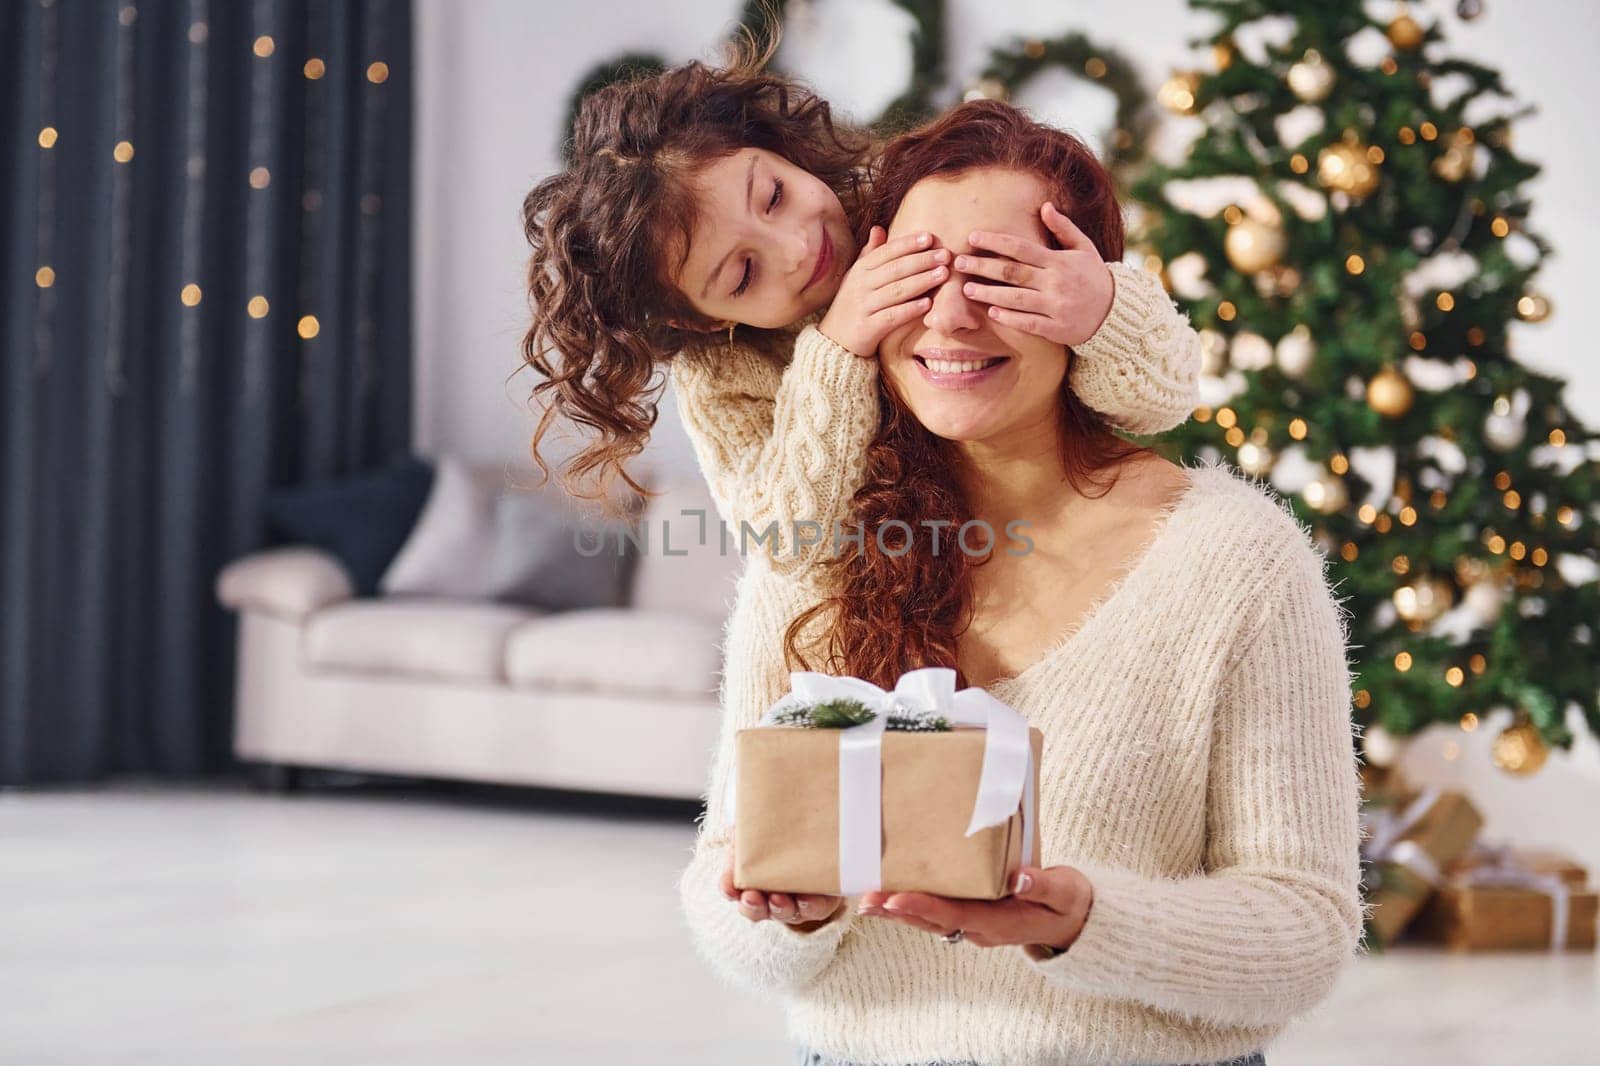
(449, 552)
(547, 556)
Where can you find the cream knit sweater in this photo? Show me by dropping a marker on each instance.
(1198, 764)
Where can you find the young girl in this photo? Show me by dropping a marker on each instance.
(703, 200)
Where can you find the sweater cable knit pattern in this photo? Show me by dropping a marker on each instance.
(1141, 369)
(771, 438)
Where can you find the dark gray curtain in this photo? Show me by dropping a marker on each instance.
(204, 219)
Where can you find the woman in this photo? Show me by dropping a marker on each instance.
(1173, 636)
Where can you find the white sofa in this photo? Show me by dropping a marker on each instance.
(616, 700)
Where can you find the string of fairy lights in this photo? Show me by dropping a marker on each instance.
(121, 202)
(44, 275)
(369, 206)
(261, 237)
(194, 192)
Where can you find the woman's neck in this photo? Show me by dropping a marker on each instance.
(1016, 475)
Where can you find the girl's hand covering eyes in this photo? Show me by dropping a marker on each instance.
(883, 290)
(1061, 294)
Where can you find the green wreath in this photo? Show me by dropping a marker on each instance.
(1011, 66)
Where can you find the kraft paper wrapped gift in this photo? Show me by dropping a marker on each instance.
(953, 813)
(1408, 846)
(1504, 898)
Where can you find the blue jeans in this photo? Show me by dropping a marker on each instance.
(804, 1056)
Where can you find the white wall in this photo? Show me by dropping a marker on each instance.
(493, 82)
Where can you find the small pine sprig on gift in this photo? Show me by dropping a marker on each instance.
(919, 722)
(845, 713)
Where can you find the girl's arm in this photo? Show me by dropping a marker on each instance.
(1141, 368)
(783, 448)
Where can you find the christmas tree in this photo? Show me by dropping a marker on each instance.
(1350, 230)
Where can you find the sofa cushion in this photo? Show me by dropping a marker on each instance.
(425, 638)
(450, 548)
(362, 520)
(699, 576)
(647, 653)
(551, 554)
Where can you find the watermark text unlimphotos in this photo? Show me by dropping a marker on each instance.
(893, 537)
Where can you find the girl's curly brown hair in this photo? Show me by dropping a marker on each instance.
(603, 232)
(894, 613)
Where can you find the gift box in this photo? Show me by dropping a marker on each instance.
(1505, 898)
(1408, 846)
(923, 789)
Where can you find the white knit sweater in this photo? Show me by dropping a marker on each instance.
(1198, 764)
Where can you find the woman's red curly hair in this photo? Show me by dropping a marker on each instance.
(894, 613)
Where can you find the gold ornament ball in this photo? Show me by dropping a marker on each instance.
(1504, 430)
(1381, 747)
(1326, 493)
(1405, 33)
(1179, 93)
(1520, 750)
(1252, 245)
(1533, 307)
(1425, 600)
(1213, 352)
(987, 89)
(1456, 162)
(1255, 459)
(1389, 393)
(1278, 280)
(1295, 351)
(1311, 79)
(1345, 167)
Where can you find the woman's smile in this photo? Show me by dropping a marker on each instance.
(959, 368)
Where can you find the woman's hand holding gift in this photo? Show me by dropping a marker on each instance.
(1047, 906)
(804, 912)
(1060, 294)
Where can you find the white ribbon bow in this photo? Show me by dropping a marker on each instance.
(1005, 780)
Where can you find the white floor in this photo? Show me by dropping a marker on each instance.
(360, 925)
